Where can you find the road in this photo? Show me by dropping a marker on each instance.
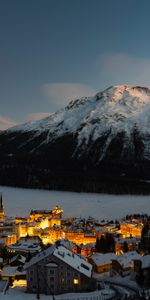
(123, 290)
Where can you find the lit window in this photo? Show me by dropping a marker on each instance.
(75, 281)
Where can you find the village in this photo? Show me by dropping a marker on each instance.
(49, 254)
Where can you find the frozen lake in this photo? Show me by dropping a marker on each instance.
(19, 202)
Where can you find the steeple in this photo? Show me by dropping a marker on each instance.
(2, 217)
(1, 201)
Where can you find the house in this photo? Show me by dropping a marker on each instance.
(102, 262)
(87, 249)
(123, 264)
(58, 270)
(25, 246)
(68, 244)
(142, 269)
(129, 229)
(8, 238)
(13, 273)
(132, 244)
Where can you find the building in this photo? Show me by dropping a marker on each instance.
(79, 238)
(26, 245)
(58, 270)
(142, 270)
(87, 249)
(13, 273)
(55, 213)
(128, 229)
(123, 264)
(8, 238)
(132, 244)
(102, 262)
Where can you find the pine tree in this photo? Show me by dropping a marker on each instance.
(125, 247)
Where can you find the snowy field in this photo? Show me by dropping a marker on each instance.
(19, 294)
(19, 202)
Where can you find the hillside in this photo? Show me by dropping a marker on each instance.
(98, 144)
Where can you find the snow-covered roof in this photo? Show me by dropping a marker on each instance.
(75, 261)
(26, 245)
(145, 261)
(103, 258)
(39, 257)
(126, 259)
(131, 224)
(12, 271)
(101, 229)
(18, 257)
(66, 243)
(128, 240)
(89, 245)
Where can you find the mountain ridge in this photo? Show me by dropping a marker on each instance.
(84, 142)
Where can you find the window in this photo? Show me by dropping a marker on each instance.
(84, 266)
(75, 281)
(51, 279)
(62, 279)
(51, 272)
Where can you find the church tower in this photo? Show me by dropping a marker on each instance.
(2, 217)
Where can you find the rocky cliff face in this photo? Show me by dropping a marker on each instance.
(101, 143)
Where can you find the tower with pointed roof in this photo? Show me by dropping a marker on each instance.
(1, 209)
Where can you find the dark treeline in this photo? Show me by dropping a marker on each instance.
(56, 166)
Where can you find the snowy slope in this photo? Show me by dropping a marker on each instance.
(118, 109)
(91, 143)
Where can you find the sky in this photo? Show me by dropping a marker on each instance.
(53, 51)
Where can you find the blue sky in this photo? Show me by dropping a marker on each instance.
(52, 51)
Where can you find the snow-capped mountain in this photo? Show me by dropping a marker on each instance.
(89, 139)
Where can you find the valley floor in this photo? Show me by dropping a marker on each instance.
(19, 202)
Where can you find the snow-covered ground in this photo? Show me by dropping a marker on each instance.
(19, 294)
(19, 202)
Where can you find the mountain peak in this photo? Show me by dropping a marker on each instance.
(111, 128)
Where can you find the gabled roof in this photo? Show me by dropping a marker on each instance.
(39, 257)
(126, 259)
(19, 258)
(73, 260)
(12, 271)
(103, 258)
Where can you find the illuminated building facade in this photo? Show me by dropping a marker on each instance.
(80, 238)
(130, 230)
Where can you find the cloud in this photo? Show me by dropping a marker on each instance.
(37, 116)
(123, 68)
(6, 123)
(59, 94)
